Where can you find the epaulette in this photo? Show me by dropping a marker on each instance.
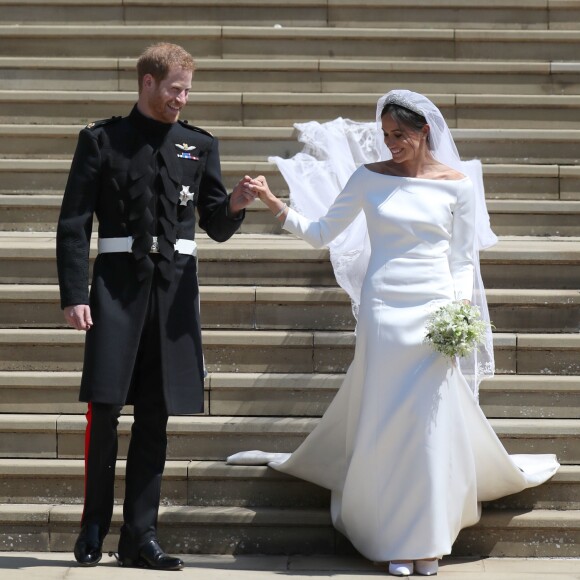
(194, 128)
(102, 122)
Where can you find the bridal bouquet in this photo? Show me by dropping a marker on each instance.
(456, 329)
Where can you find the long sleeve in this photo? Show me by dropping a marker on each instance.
(213, 201)
(461, 250)
(321, 232)
(75, 223)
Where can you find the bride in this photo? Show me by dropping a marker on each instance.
(404, 447)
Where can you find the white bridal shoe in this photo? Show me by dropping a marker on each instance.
(400, 568)
(426, 567)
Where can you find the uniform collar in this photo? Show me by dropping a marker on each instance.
(149, 125)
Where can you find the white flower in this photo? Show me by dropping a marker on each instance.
(455, 329)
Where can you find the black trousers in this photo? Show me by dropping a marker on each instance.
(146, 455)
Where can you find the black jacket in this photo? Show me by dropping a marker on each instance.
(130, 172)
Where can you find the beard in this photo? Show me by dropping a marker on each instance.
(161, 111)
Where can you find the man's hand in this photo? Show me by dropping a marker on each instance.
(242, 196)
(79, 316)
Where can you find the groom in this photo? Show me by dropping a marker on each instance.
(143, 176)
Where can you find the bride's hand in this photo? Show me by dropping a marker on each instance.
(260, 186)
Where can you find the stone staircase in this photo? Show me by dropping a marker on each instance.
(277, 330)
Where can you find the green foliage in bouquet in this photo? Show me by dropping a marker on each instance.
(455, 329)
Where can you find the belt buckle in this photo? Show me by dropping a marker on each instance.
(154, 246)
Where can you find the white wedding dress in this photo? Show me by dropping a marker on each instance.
(404, 447)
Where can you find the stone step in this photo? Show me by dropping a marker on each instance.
(190, 12)
(193, 483)
(228, 307)
(24, 176)
(183, 529)
(273, 260)
(318, 75)
(297, 308)
(215, 484)
(460, 110)
(522, 253)
(26, 212)
(44, 109)
(393, 13)
(243, 351)
(503, 532)
(266, 394)
(293, 394)
(46, 436)
(531, 396)
(304, 42)
(39, 212)
(48, 176)
(239, 530)
(534, 218)
(351, 565)
(31, 392)
(80, 107)
(519, 146)
(280, 351)
(62, 481)
(300, 42)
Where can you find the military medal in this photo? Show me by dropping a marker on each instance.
(185, 195)
(185, 151)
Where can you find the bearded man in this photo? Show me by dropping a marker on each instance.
(143, 176)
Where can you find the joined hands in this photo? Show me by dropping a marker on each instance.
(243, 195)
(259, 186)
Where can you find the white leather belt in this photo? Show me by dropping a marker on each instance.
(110, 245)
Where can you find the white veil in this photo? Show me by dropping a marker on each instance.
(331, 153)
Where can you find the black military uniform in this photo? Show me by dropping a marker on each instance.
(143, 180)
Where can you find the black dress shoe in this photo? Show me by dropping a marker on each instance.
(151, 555)
(88, 547)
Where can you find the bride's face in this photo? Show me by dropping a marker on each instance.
(404, 143)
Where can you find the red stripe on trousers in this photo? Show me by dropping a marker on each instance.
(89, 416)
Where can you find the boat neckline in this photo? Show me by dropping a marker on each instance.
(416, 178)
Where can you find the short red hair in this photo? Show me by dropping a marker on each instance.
(158, 59)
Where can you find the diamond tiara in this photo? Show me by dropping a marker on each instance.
(400, 100)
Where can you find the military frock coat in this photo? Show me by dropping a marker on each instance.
(140, 178)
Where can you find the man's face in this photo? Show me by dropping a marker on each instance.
(163, 101)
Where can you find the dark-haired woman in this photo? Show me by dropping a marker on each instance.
(404, 447)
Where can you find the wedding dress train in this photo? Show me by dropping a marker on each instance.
(404, 446)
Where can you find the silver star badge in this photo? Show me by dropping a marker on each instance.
(185, 195)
